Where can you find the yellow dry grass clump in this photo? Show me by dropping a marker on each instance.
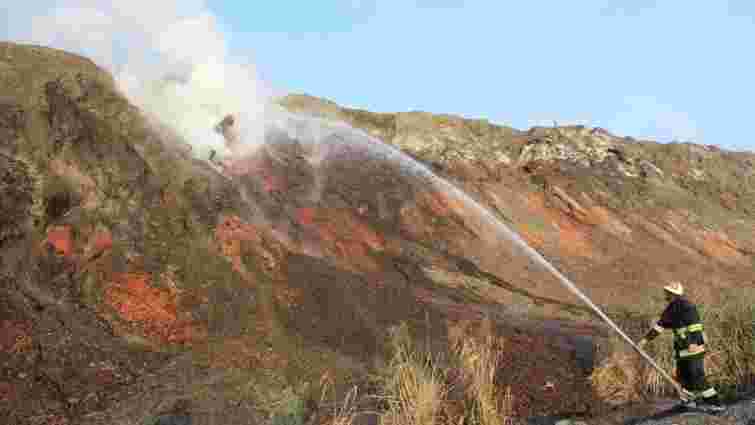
(480, 359)
(624, 377)
(415, 386)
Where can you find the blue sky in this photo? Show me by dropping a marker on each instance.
(667, 70)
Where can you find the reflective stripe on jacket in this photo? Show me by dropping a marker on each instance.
(682, 317)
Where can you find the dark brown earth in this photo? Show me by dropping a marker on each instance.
(137, 281)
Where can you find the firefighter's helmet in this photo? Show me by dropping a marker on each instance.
(675, 288)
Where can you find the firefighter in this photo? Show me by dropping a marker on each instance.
(682, 317)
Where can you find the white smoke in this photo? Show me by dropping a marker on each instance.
(170, 58)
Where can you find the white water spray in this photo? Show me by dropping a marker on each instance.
(316, 133)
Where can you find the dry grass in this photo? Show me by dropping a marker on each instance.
(730, 363)
(729, 328)
(624, 376)
(346, 412)
(414, 387)
(480, 360)
(616, 379)
(457, 387)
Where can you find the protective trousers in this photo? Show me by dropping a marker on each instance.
(692, 378)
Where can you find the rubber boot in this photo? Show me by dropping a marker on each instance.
(712, 405)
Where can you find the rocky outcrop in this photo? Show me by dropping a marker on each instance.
(451, 140)
(435, 139)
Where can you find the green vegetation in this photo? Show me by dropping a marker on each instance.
(383, 124)
(290, 409)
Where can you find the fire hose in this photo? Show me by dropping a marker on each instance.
(684, 395)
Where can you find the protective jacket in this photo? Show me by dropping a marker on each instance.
(682, 317)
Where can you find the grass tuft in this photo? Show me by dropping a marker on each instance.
(456, 387)
(414, 387)
(480, 359)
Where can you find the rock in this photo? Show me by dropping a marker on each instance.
(567, 204)
(649, 169)
(697, 174)
(571, 145)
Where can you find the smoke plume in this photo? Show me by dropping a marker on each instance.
(170, 58)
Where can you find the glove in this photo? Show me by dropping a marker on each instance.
(686, 395)
(641, 343)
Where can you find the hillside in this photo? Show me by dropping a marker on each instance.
(137, 280)
(612, 211)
